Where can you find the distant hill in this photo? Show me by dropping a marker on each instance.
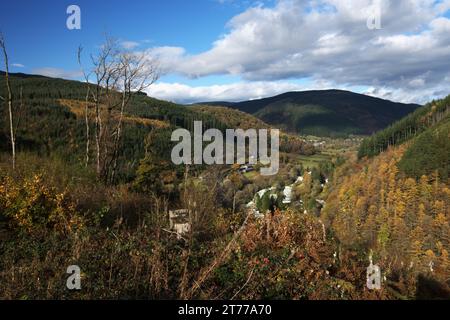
(231, 117)
(22, 75)
(325, 112)
(216, 104)
(236, 119)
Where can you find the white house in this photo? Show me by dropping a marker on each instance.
(287, 192)
(179, 222)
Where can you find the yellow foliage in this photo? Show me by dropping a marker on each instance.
(30, 205)
(77, 107)
(407, 217)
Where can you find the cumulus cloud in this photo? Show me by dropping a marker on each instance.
(329, 40)
(234, 92)
(183, 93)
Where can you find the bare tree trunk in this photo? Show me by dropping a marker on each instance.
(97, 135)
(98, 128)
(86, 113)
(105, 71)
(9, 99)
(118, 136)
(86, 108)
(136, 75)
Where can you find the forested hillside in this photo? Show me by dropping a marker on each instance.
(429, 153)
(325, 112)
(50, 120)
(232, 117)
(407, 128)
(403, 223)
(396, 206)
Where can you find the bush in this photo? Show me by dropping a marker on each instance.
(30, 205)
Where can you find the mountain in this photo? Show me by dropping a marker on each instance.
(237, 119)
(231, 117)
(216, 104)
(325, 112)
(21, 75)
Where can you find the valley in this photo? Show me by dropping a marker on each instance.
(206, 156)
(199, 231)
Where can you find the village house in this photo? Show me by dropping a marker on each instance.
(287, 192)
(246, 168)
(179, 222)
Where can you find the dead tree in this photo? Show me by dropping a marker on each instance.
(136, 73)
(9, 100)
(118, 75)
(103, 69)
(86, 107)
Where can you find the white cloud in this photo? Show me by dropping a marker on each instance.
(230, 92)
(329, 40)
(129, 45)
(58, 73)
(421, 94)
(417, 83)
(239, 91)
(17, 65)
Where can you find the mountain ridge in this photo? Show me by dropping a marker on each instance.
(324, 112)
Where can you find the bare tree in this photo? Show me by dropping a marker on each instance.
(103, 65)
(86, 107)
(119, 74)
(136, 73)
(9, 99)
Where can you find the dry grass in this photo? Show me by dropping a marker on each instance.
(77, 107)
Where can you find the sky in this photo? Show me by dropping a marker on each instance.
(231, 50)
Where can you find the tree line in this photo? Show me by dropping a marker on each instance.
(405, 129)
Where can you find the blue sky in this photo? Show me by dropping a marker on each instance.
(37, 36)
(237, 50)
